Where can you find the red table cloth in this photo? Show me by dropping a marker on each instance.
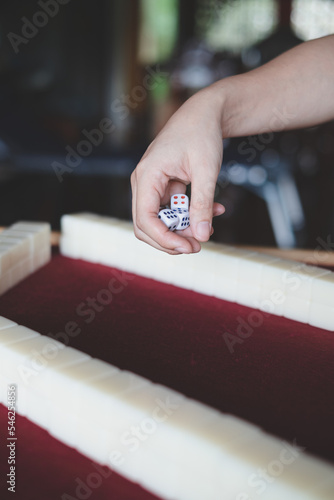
(279, 376)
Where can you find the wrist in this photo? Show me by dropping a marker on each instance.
(218, 97)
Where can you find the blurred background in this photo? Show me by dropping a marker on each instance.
(85, 86)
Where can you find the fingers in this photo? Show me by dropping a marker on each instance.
(147, 196)
(218, 209)
(167, 241)
(193, 246)
(150, 193)
(202, 206)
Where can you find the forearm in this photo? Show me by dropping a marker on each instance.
(294, 90)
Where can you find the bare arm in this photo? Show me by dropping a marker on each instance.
(294, 90)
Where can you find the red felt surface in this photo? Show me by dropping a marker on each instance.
(280, 377)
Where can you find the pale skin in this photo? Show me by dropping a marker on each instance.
(294, 90)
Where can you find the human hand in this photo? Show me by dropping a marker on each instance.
(188, 150)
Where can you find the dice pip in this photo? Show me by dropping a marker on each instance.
(183, 216)
(170, 218)
(179, 201)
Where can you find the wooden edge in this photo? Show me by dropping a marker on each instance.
(55, 237)
(314, 257)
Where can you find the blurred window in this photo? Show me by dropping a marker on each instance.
(234, 24)
(158, 31)
(312, 18)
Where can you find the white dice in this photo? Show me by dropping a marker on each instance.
(177, 216)
(183, 216)
(169, 218)
(179, 201)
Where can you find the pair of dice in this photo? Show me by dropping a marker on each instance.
(176, 217)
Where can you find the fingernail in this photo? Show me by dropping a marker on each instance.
(203, 230)
(181, 250)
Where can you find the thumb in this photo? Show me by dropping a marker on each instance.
(201, 208)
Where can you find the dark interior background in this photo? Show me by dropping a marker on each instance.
(65, 65)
